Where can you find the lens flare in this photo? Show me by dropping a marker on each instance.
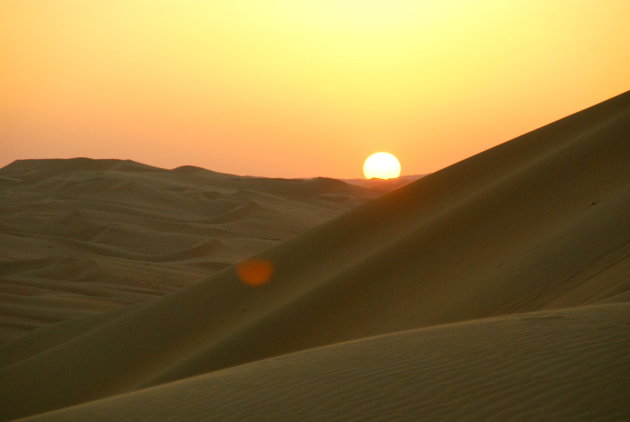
(255, 272)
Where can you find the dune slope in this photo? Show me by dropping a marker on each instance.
(535, 224)
(568, 364)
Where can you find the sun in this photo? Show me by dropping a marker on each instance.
(382, 165)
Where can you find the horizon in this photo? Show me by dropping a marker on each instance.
(356, 179)
(299, 89)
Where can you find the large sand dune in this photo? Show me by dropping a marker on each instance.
(495, 289)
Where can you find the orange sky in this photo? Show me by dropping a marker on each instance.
(298, 88)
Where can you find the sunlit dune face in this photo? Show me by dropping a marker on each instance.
(381, 165)
(255, 272)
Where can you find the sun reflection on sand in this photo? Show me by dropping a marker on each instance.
(255, 272)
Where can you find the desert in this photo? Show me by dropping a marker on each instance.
(494, 289)
(314, 210)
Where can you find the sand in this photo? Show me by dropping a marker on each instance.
(384, 185)
(559, 365)
(495, 289)
(83, 236)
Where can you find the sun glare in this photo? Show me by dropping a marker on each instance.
(381, 165)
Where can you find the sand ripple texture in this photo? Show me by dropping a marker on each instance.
(83, 236)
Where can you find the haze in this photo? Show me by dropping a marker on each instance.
(298, 88)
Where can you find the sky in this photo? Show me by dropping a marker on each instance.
(298, 88)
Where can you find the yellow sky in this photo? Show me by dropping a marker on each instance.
(298, 88)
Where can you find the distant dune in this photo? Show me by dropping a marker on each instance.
(81, 236)
(496, 289)
(384, 185)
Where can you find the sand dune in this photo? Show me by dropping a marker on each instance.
(521, 250)
(384, 185)
(82, 236)
(566, 364)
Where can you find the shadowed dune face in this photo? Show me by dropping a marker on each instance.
(538, 225)
(81, 236)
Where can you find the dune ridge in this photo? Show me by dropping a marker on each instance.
(535, 230)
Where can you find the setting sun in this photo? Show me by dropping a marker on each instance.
(291, 83)
(381, 165)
